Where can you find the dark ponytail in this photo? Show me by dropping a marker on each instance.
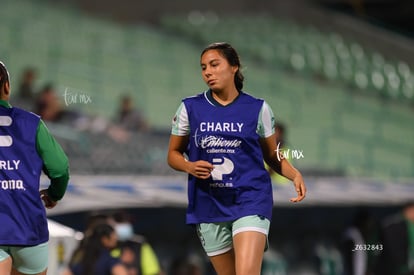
(228, 52)
(93, 246)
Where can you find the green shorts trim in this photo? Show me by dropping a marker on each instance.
(27, 259)
(217, 238)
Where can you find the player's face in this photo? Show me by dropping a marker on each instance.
(216, 71)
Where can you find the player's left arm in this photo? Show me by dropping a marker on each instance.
(273, 157)
(282, 166)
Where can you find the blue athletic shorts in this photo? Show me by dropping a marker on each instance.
(217, 238)
(27, 259)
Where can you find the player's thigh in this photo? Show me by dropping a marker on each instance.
(249, 242)
(249, 247)
(30, 260)
(224, 264)
(251, 231)
(5, 261)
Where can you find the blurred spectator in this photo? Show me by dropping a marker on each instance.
(26, 89)
(280, 134)
(274, 263)
(136, 253)
(129, 117)
(328, 258)
(99, 254)
(97, 218)
(185, 266)
(397, 240)
(93, 220)
(49, 107)
(357, 240)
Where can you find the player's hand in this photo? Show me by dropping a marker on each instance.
(48, 202)
(300, 188)
(200, 169)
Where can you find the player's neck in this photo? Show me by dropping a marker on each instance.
(225, 96)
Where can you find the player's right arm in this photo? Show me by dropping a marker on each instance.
(176, 159)
(179, 140)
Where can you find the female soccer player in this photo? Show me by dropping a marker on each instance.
(220, 138)
(26, 149)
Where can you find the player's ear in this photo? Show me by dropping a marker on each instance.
(7, 88)
(235, 68)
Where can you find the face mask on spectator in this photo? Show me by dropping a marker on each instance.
(124, 231)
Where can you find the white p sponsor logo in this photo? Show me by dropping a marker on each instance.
(222, 166)
(5, 140)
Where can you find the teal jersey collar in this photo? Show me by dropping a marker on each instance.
(5, 103)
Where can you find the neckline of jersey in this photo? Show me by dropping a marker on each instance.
(209, 95)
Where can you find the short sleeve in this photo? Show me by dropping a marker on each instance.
(266, 123)
(180, 122)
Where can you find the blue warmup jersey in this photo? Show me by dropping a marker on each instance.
(22, 214)
(227, 137)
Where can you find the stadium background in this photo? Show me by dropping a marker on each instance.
(338, 74)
